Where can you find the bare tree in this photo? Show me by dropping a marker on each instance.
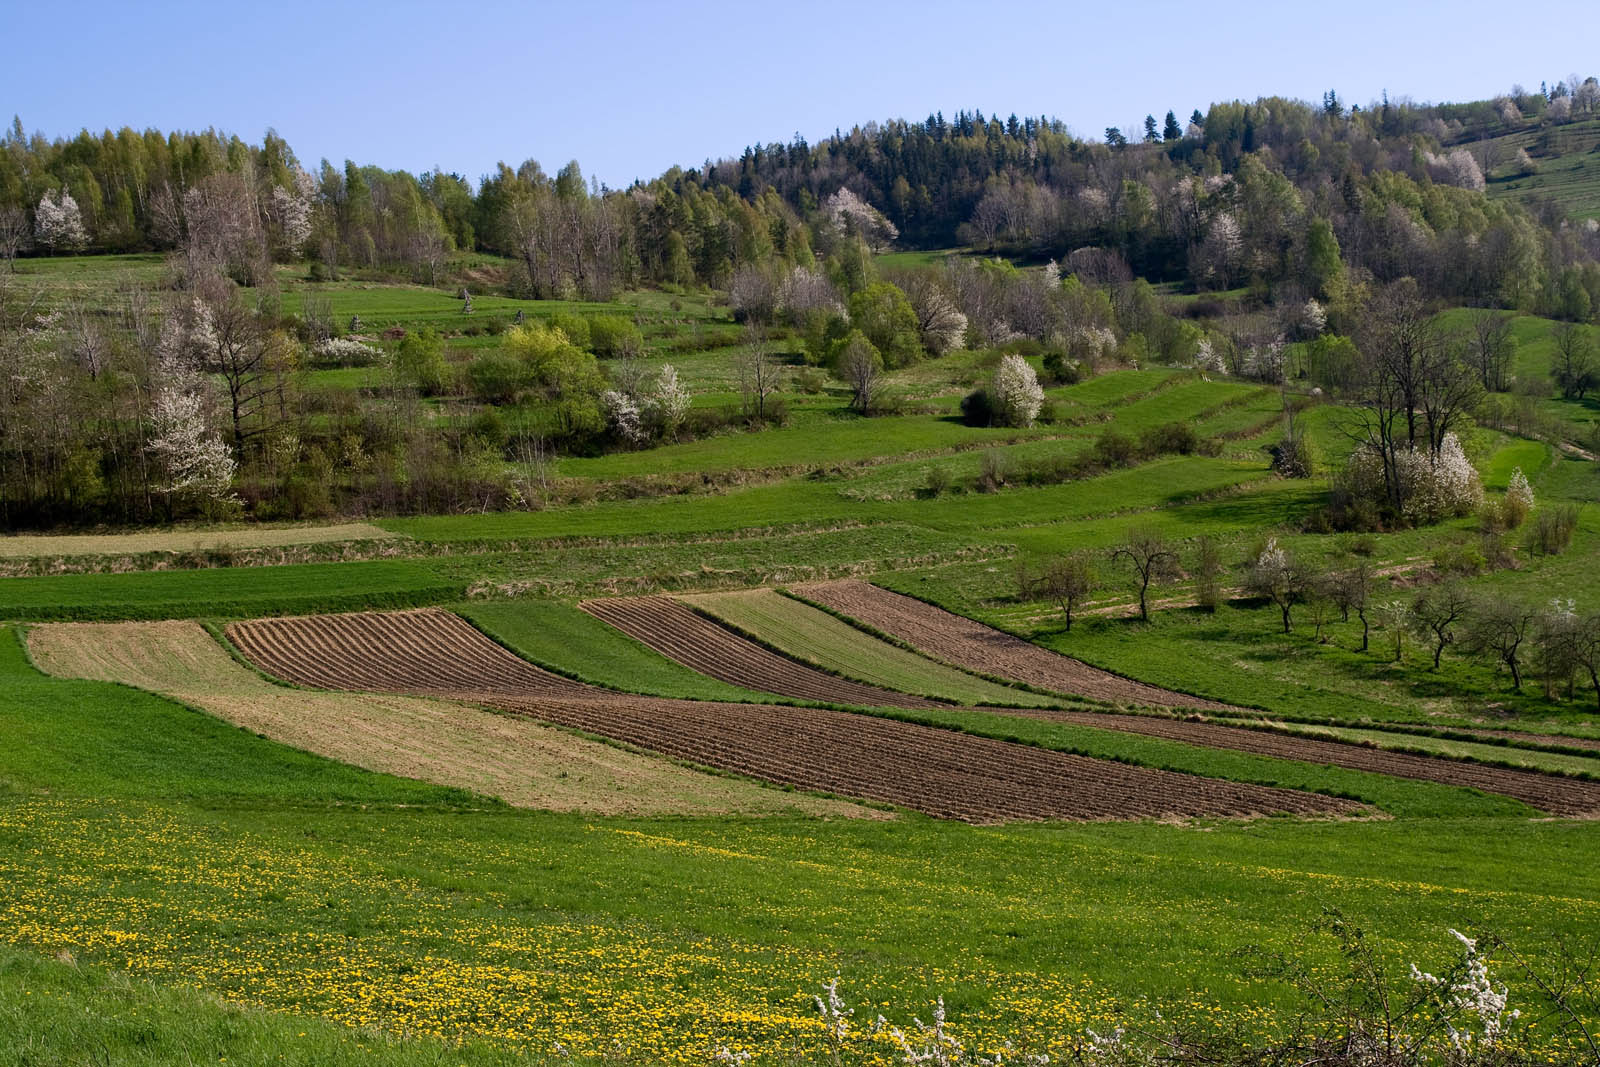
(759, 375)
(1208, 573)
(1437, 611)
(249, 357)
(1493, 349)
(1496, 627)
(1152, 560)
(14, 233)
(1574, 370)
(1351, 590)
(1412, 386)
(1067, 579)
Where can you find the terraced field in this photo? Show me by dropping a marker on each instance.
(975, 647)
(441, 741)
(808, 634)
(938, 772)
(675, 631)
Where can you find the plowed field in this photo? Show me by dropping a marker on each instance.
(1553, 793)
(967, 643)
(696, 642)
(939, 772)
(976, 647)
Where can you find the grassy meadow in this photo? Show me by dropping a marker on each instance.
(178, 887)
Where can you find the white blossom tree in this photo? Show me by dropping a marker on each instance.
(58, 224)
(852, 214)
(667, 404)
(1016, 391)
(193, 461)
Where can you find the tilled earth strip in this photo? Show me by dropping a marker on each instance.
(973, 646)
(1559, 795)
(938, 772)
(681, 634)
(964, 642)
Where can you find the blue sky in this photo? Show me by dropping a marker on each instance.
(629, 89)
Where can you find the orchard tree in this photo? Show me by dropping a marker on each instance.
(1438, 611)
(1151, 559)
(1068, 579)
(1496, 629)
(1276, 575)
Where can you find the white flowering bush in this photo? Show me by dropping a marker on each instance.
(1469, 999)
(193, 461)
(622, 416)
(346, 352)
(1518, 500)
(667, 404)
(1433, 486)
(1207, 359)
(1016, 391)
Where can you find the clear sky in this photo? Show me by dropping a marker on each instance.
(629, 88)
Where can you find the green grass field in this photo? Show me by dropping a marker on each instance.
(175, 889)
(209, 860)
(814, 636)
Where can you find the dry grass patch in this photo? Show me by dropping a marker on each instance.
(29, 546)
(445, 742)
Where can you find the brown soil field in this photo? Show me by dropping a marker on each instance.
(444, 742)
(679, 633)
(938, 772)
(1554, 793)
(967, 643)
(973, 646)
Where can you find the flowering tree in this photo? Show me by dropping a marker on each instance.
(188, 451)
(1279, 577)
(622, 415)
(667, 404)
(1518, 500)
(1016, 391)
(57, 223)
(852, 214)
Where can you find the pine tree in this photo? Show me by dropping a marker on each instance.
(1150, 129)
(1171, 131)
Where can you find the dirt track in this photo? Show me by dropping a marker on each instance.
(976, 647)
(681, 634)
(939, 772)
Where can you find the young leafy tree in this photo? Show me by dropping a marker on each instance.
(1152, 560)
(1068, 579)
(861, 368)
(882, 312)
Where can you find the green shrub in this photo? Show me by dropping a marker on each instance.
(1552, 530)
(614, 337)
